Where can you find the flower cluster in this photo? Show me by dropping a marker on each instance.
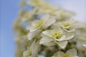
(47, 30)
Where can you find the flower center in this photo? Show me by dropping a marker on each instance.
(56, 34)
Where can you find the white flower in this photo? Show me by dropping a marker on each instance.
(69, 53)
(43, 23)
(36, 3)
(70, 26)
(32, 51)
(50, 37)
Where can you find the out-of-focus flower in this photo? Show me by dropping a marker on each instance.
(69, 53)
(84, 29)
(50, 37)
(32, 51)
(56, 14)
(82, 36)
(36, 3)
(28, 16)
(19, 52)
(61, 14)
(67, 14)
(81, 42)
(70, 26)
(21, 12)
(22, 3)
(47, 9)
(18, 23)
(23, 42)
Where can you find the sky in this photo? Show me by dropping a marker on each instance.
(9, 11)
(76, 6)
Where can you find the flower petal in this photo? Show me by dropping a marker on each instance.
(60, 54)
(35, 22)
(69, 36)
(73, 52)
(78, 25)
(32, 45)
(49, 22)
(35, 52)
(57, 28)
(84, 45)
(49, 44)
(47, 32)
(45, 40)
(62, 44)
(69, 29)
(32, 34)
(28, 27)
(45, 17)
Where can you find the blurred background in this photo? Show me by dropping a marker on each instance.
(9, 11)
